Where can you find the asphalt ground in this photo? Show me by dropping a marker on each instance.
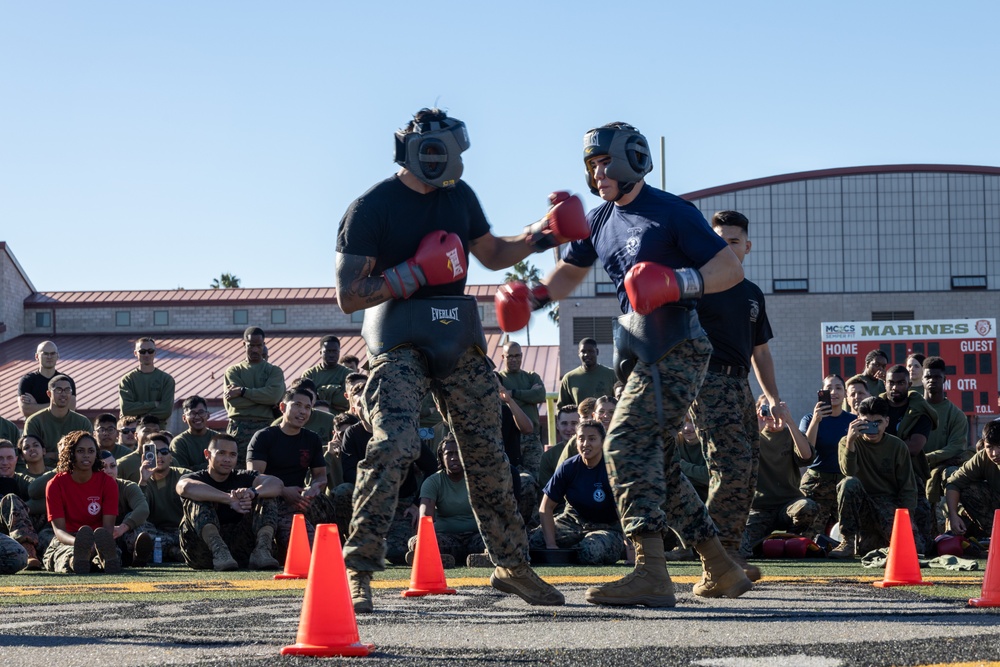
(811, 612)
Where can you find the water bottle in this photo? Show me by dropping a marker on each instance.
(158, 550)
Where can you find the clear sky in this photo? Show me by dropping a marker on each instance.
(155, 145)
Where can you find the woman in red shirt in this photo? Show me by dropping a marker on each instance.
(82, 504)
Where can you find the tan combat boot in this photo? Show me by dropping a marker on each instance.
(722, 577)
(33, 562)
(752, 571)
(222, 559)
(648, 584)
(845, 550)
(261, 557)
(360, 584)
(523, 582)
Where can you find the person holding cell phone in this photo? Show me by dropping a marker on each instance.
(878, 480)
(823, 428)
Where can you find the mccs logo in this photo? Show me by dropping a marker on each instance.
(839, 328)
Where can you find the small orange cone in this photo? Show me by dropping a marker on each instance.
(297, 558)
(902, 568)
(327, 626)
(427, 577)
(991, 582)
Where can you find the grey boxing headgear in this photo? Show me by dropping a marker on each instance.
(629, 152)
(432, 151)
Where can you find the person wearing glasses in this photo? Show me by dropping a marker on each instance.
(33, 387)
(158, 481)
(189, 447)
(57, 419)
(146, 390)
(106, 430)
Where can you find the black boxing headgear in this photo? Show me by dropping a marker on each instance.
(432, 150)
(629, 152)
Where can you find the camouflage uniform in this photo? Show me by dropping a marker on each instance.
(726, 419)
(13, 557)
(240, 537)
(980, 502)
(531, 453)
(458, 545)
(595, 543)
(796, 516)
(15, 520)
(242, 429)
(343, 507)
(320, 510)
(649, 488)
(59, 558)
(469, 401)
(401, 532)
(528, 499)
(869, 518)
(821, 488)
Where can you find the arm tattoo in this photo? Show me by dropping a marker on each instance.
(354, 278)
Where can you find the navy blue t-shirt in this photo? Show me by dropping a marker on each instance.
(656, 227)
(587, 490)
(389, 221)
(828, 437)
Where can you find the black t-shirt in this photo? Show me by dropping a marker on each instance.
(736, 322)
(238, 479)
(511, 435)
(36, 384)
(288, 457)
(352, 450)
(389, 221)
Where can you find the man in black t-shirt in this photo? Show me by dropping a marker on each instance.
(230, 515)
(290, 452)
(724, 412)
(32, 388)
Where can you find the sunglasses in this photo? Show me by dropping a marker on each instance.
(127, 430)
(141, 351)
(163, 451)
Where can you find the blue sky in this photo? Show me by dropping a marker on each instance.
(156, 145)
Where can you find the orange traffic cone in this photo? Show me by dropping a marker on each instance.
(297, 558)
(902, 568)
(427, 577)
(327, 626)
(991, 582)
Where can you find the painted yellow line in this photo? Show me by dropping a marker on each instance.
(247, 585)
(991, 663)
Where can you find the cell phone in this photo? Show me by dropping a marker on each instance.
(823, 396)
(765, 410)
(870, 428)
(149, 453)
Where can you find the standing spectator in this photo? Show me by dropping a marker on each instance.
(874, 374)
(33, 388)
(250, 391)
(824, 427)
(915, 367)
(82, 505)
(146, 390)
(189, 447)
(588, 380)
(329, 375)
(857, 391)
(351, 362)
(56, 419)
(528, 390)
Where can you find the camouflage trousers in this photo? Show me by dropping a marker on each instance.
(531, 453)
(980, 503)
(468, 400)
(13, 557)
(242, 430)
(15, 520)
(126, 545)
(528, 499)
(320, 510)
(343, 508)
(795, 516)
(457, 545)
(240, 537)
(169, 541)
(595, 543)
(869, 519)
(821, 488)
(726, 419)
(651, 492)
(934, 488)
(401, 531)
(59, 558)
(924, 521)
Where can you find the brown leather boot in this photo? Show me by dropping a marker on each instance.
(722, 577)
(648, 584)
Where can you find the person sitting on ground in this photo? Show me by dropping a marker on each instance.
(589, 524)
(189, 446)
(824, 427)
(135, 546)
(778, 504)
(567, 419)
(878, 480)
(689, 454)
(15, 521)
(130, 464)
(158, 481)
(444, 497)
(976, 486)
(604, 409)
(230, 515)
(82, 504)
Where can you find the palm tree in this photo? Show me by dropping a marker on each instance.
(226, 280)
(530, 275)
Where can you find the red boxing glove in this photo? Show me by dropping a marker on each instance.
(514, 303)
(440, 259)
(650, 285)
(565, 221)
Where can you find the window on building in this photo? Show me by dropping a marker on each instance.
(891, 315)
(968, 282)
(598, 328)
(791, 285)
(357, 317)
(278, 316)
(604, 288)
(241, 316)
(161, 318)
(123, 318)
(43, 319)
